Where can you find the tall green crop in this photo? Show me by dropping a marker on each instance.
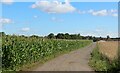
(19, 50)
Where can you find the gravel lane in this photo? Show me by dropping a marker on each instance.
(74, 61)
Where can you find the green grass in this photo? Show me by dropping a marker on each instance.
(100, 62)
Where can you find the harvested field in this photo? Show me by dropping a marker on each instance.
(109, 49)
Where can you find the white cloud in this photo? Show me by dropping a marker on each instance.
(90, 11)
(113, 10)
(115, 15)
(104, 12)
(54, 6)
(35, 16)
(100, 33)
(25, 29)
(99, 13)
(113, 34)
(5, 21)
(81, 12)
(7, 1)
(56, 19)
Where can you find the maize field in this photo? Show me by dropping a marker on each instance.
(18, 51)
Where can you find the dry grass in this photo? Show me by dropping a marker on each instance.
(109, 49)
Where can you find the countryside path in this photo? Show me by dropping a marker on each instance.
(74, 61)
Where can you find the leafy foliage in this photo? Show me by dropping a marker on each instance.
(21, 50)
(51, 35)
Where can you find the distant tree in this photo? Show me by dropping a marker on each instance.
(100, 38)
(35, 36)
(83, 37)
(108, 37)
(2, 34)
(67, 36)
(22, 35)
(73, 36)
(51, 35)
(60, 36)
(89, 37)
(79, 36)
(95, 39)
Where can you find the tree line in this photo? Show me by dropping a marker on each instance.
(64, 36)
(69, 36)
(78, 36)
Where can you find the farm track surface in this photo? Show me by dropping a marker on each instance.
(74, 61)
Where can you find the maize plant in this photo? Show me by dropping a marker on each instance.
(18, 51)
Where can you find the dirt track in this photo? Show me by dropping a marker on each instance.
(74, 61)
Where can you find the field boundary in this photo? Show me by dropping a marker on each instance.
(100, 62)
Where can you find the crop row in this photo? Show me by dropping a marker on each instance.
(18, 51)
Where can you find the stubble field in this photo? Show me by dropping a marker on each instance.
(105, 56)
(109, 49)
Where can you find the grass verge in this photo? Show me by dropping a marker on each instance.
(101, 63)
